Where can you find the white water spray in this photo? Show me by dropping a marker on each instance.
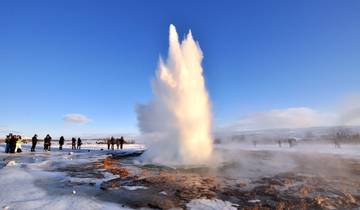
(178, 119)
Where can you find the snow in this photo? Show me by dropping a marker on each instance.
(163, 193)
(254, 201)
(27, 184)
(135, 187)
(11, 163)
(21, 192)
(206, 204)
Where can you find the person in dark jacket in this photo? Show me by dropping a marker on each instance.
(7, 141)
(79, 143)
(47, 142)
(12, 144)
(61, 142)
(112, 140)
(33, 143)
(122, 141)
(108, 141)
(73, 143)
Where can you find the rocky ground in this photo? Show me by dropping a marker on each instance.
(333, 186)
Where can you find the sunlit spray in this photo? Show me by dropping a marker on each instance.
(178, 119)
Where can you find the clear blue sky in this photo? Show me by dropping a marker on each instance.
(97, 58)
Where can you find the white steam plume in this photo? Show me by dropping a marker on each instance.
(178, 119)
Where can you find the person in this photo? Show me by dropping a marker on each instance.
(122, 141)
(79, 143)
(7, 141)
(291, 142)
(49, 142)
(108, 143)
(112, 140)
(61, 142)
(279, 143)
(18, 144)
(46, 143)
(73, 143)
(12, 144)
(34, 142)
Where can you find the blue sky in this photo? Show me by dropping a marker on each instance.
(96, 58)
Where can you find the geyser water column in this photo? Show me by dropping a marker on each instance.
(178, 119)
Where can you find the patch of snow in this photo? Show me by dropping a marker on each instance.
(162, 193)
(11, 163)
(206, 204)
(254, 201)
(135, 187)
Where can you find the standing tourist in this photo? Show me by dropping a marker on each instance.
(61, 142)
(79, 143)
(34, 142)
(122, 141)
(73, 143)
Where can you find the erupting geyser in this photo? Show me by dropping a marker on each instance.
(178, 119)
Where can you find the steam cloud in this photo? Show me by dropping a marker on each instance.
(350, 111)
(178, 119)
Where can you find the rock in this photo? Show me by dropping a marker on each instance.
(350, 198)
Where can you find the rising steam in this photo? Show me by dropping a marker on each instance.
(178, 119)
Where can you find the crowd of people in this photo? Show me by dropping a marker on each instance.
(13, 143)
(112, 141)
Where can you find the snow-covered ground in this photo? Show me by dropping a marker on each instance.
(27, 184)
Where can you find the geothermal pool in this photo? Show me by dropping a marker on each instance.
(265, 177)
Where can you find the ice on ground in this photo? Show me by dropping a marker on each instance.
(135, 187)
(22, 193)
(206, 204)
